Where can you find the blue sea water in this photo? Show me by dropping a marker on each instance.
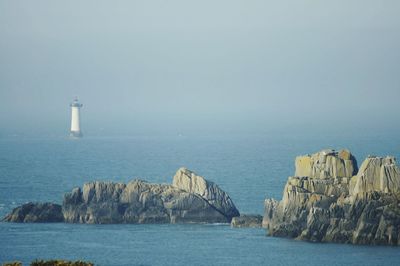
(249, 167)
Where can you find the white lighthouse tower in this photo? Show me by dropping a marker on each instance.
(75, 119)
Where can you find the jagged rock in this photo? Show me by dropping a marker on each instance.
(247, 220)
(192, 183)
(326, 164)
(376, 174)
(137, 202)
(36, 213)
(327, 201)
(270, 207)
(142, 202)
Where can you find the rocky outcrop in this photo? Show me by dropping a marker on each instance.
(247, 220)
(376, 174)
(36, 213)
(188, 181)
(326, 164)
(330, 201)
(200, 201)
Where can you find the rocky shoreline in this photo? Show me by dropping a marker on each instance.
(330, 200)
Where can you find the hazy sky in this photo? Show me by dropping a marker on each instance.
(182, 66)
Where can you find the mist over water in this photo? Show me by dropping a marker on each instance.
(233, 90)
(157, 67)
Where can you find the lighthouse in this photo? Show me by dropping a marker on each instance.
(75, 119)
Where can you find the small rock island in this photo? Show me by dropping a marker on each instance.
(190, 199)
(330, 200)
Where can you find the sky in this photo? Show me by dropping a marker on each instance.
(178, 67)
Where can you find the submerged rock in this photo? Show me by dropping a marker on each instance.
(247, 220)
(328, 201)
(36, 213)
(142, 202)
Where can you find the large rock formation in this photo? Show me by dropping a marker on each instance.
(192, 183)
(191, 199)
(329, 201)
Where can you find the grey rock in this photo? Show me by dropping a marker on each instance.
(326, 204)
(136, 202)
(326, 164)
(247, 220)
(191, 182)
(376, 174)
(36, 213)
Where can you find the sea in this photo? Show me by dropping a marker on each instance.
(249, 167)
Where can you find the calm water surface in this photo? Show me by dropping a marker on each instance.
(250, 168)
